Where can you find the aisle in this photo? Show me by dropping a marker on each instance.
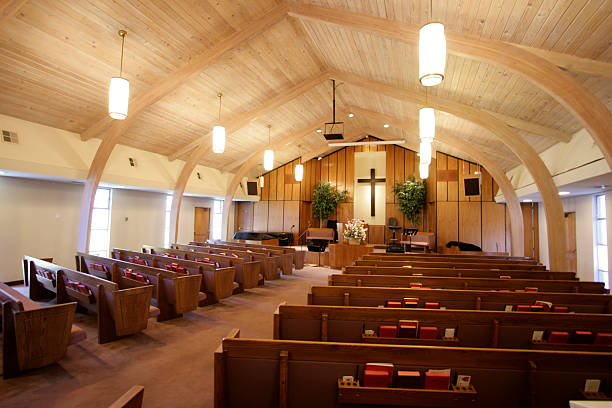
(173, 359)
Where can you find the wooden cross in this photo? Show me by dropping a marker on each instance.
(372, 180)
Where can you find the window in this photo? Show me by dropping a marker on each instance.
(99, 239)
(167, 222)
(217, 219)
(601, 240)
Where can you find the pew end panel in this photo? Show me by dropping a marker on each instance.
(132, 398)
(130, 309)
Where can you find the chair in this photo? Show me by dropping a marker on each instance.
(394, 244)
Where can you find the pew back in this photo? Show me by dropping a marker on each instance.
(442, 258)
(454, 265)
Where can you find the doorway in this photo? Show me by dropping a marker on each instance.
(201, 224)
(570, 228)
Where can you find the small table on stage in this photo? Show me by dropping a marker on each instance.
(341, 255)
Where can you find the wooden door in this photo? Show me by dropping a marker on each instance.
(201, 227)
(244, 216)
(570, 227)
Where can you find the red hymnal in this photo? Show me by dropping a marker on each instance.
(432, 305)
(604, 339)
(392, 303)
(546, 305)
(558, 337)
(437, 379)
(560, 309)
(168, 267)
(387, 331)
(410, 302)
(416, 285)
(523, 308)
(583, 337)
(428, 332)
(537, 308)
(378, 375)
(408, 328)
(531, 289)
(409, 379)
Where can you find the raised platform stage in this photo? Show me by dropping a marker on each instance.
(266, 238)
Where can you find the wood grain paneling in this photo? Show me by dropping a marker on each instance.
(280, 184)
(275, 216)
(473, 170)
(399, 163)
(341, 170)
(265, 191)
(442, 184)
(470, 222)
(289, 179)
(487, 186)
(453, 186)
(260, 216)
(390, 173)
(333, 169)
(325, 169)
(243, 216)
(273, 185)
(376, 234)
(493, 227)
(448, 222)
(350, 172)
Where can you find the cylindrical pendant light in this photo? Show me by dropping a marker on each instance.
(269, 154)
(299, 172)
(423, 171)
(427, 124)
(425, 152)
(432, 54)
(261, 181)
(119, 90)
(218, 135)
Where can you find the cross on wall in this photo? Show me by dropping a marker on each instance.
(372, 180)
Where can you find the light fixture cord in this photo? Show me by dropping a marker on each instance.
(269, 127)
(220, 96)
(430, 11)
(121, 64)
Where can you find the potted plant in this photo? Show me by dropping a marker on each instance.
(411, 195)
(355, 232)
(325, 200)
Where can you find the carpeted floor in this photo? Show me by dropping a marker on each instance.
(173, 360)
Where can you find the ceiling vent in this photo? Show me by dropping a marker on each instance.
(132, 162)
(9, 137)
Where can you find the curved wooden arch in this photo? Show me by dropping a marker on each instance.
(566, 90)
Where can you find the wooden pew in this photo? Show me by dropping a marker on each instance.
(34, 335)
(467, 273)
(217, 283)
(270, 264)
(121, 311)
(440, 282)
(444, 258)
(270, 373)
(131, 399)
(285, 261)
(248, 273)
(174, 293)
(299, 256)
(456, 299)
(473, 328)
(453, 265)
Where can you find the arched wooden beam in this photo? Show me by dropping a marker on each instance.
(256, 159)
(566, 90)
(116, 128)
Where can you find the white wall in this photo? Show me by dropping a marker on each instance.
(40, 218)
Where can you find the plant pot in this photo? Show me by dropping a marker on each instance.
(354, 241)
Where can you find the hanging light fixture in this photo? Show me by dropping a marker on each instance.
(261, 181)
(425, 152)
(427, 124)
(218, 134)
(119, 90)
(432, 52)
(299, 168)
(423, 171)
(269, 154)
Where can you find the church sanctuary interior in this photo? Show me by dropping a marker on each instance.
(305, 203)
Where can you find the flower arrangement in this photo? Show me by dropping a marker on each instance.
(355, 229)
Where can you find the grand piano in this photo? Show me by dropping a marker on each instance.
(284, 238)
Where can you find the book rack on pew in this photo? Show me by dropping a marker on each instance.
(545, 345)
(350, 392)
(409, 341)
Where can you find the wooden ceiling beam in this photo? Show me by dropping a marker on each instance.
(555, 221)
(162, 88)
(565, 89)
(244, 119)
(572, 63)
(8, 8)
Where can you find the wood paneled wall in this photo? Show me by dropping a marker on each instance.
(449, 213)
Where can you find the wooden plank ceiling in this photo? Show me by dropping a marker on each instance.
(56, 58)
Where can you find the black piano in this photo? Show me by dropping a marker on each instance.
(284, 238)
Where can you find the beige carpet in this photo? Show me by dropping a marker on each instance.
(173, 360)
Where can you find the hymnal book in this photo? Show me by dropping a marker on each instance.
(523, 308)
(463, 380)
(603, 339)
(378, 375)
(437, 379)
(558, 337)
(393, 303)
(406, 266)
(428, 333)
(592, 385)
(449, 333)
(537, 335)
(416, 285)
(560, 309)
(508, 308)
(410, 302)
(531, 289)
(582, 337)
(505, 277)
(387, 331)
(432, 305)
(408, 328)
(369, 332)
(536, 308)
(409, 379)
(546, 305)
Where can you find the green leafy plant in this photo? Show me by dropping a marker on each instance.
(325, 200)
(411, 195)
